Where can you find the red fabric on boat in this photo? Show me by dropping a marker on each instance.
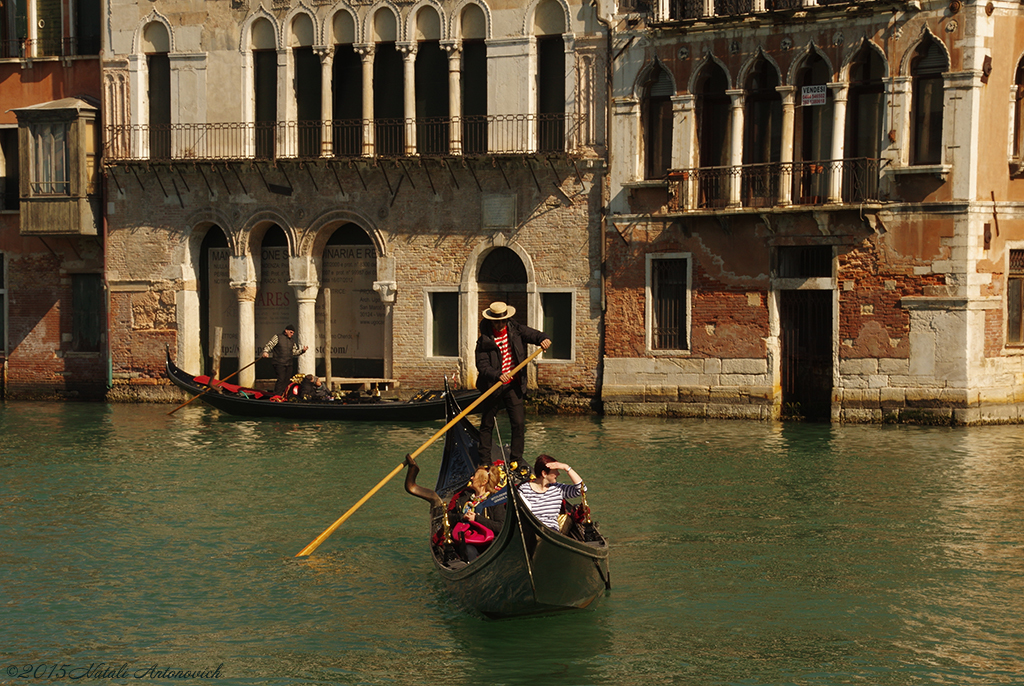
(229, 387)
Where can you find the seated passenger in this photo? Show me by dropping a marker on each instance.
(480, 502)
(543, 494)
(311, 388)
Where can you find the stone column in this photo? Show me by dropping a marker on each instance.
(454, 50)
(788, 94)
(683, 136)
(408, 51)
(365, 51)
(287, 139)
(735, 147)
(326, 55)
(838, 166)
(246, 293)
(305, 294)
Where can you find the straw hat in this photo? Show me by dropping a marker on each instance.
(499, 310)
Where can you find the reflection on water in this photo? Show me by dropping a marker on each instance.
(743, 553)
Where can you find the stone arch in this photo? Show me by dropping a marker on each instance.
(321, 228)
(530, 18)
(748, 65)
(138, 39)
(251, 233)
(908, 55)
(854, 51)
(412, 28)
(298, 33)
(455, 30)
(803, 59)
(710, 60)
(374, 27)
(476, 259)
(245, 42)
(642, 77)
(335, 28)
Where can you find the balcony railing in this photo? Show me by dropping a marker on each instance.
(462, 136)
(769, 185)
(55, 47)
(702, 9)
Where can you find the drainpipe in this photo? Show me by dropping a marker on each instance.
(104, 42)
(607, 23)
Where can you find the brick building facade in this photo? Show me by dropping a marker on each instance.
(52, 312)
(407, 162)
(815, 210)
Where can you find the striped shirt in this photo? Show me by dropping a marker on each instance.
(545, 506)
(506, 356)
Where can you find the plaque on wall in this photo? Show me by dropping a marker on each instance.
(499, 210)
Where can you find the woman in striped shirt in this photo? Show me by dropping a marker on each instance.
(543, 495)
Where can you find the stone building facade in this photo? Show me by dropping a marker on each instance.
(815, 210)
(52, 300)
(372, 173)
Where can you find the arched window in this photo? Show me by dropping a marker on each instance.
(503, 277)
(865, 105)
(308, 93)
(388, 86)
(926, 69)
(762, 136)
(549, 25)
(432, 132)
(712, 115)
(812, 142)
(473, 30)
(656, 121)
(347, 91)
(264, 60)
(157, 44)
(1018, 111)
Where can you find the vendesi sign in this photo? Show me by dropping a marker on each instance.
(812, 95)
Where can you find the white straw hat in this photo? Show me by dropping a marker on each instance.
(499, 310)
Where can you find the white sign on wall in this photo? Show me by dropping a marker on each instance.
(276, 306)
(357, 313)
(813, 95)
(223, 303)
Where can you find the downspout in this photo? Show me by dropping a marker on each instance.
(607, 23)
(104, 43)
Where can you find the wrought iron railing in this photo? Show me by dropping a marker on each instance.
(816, 182)
(460, 136)
(680, 10)
(49, 47)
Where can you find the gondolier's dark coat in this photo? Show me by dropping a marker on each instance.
(488, 357)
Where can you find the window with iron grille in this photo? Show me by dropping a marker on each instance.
(1015, 299)
(668, 288)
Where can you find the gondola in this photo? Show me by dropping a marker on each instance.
(245, 402)
(527, 568)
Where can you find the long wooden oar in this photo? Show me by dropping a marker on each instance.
(330, 530)
(213, 384)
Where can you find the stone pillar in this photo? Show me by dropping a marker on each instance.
(387, 291)
(838, 166)
(408, 51)
(287, 138)
(305, 294)
(365, 51)
(684, 134)
(735, 147)
(246, 294)
(326, 55)
(454, 51)
(788, 94)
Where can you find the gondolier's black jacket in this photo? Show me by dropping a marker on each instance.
(488, 357)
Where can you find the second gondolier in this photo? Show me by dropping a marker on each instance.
(282, 352)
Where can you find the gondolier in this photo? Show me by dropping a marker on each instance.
(500, 347)
(282, 351)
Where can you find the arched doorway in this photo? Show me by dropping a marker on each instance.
(349, 268)
(276, 306)
(218, 304)
(502, 276)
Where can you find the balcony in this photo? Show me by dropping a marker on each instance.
(776, 184)
(347, 139)
(683, 10)
(22, 48)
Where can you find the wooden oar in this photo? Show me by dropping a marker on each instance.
(213, 384)
(330, 530)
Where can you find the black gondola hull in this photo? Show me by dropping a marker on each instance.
(528, 569)
(383, 411)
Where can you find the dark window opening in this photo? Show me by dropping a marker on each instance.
(10, 178)
(474, 97)
(348, 101)
(866, 103)
(668, 304)
(265, 76)
(388, 100)
(558, 324)
(308, 96)
(1015, 299)
(657, 124)
(551, 93)
(432, 124)
(87, 312)
(926, 69)
(444, 309)
(159, 66)
(804, 261)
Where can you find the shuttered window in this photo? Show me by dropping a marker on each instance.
(1015, 299)
(668, 279)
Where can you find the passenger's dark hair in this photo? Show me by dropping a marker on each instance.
(541, 465)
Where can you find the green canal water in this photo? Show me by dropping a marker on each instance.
(137, 546)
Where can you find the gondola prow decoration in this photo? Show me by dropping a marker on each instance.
(341, 520)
